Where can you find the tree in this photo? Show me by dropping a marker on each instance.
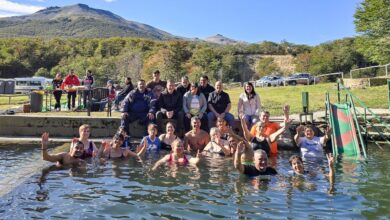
(266, 66)
(372, 19)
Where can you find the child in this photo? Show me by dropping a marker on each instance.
(153, 143)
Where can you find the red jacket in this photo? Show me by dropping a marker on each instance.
(71, 81)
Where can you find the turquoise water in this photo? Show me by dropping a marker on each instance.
(128, 188)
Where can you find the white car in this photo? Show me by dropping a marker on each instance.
(268, 81)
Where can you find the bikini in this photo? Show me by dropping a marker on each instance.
(185, 162)
(121, 157)
(89, 152)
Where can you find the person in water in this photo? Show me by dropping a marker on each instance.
(196, 139)
(217, 144)
(167, 138)
(260, 161)
(311, 146)
(177, 156)
(113, 149)
(90, 148)
(71, 158)
(152, 142)
(261, 141)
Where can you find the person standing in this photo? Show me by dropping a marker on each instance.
(156, 81)
(57, 91)
(87, 82)
(70, 81)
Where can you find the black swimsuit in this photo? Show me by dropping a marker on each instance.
(263, 145)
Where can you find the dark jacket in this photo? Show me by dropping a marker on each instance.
(126, 90)
(206, 91)
(170, 102)
(137, 102)
(180, 88)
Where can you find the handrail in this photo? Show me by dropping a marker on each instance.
(357, 126)
(328, 107)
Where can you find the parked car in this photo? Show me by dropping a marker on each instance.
(270, 81)
(300, 78)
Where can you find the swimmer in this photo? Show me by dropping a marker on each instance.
(177, 156)
(196, 139)
(114, 149)
(296, 164)
(152, 142)
(310, 145)
(260, 166)
(71, 158)
(261, 141)
(217, 144)
(167, 138)
(90, 148)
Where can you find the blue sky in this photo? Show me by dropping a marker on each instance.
(308, 22)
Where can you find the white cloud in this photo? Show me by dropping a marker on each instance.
(17, 8)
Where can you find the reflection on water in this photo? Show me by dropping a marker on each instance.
(128, 188)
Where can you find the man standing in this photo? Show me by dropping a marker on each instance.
(205, 87)
(184, 86)
(170, 104)
(156, 81)
(70, 81)
(87, 82)
(219, 105)
(137, 105)
(196, 139)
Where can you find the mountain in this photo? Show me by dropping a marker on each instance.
(77, 21)
(220, 39)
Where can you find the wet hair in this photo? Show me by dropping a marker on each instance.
(253, 93)
(213, 131)
(84, 126)
(294, 157)
(195, 118)
(119, 136)
(260, 152)
(152, 125)
(176, 142)
(222, 119)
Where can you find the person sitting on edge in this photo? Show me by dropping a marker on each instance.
(217, 145)
(177, 156)
(196, 139)
(71, 158)
(311, 146)
(156, 81)
(170, 104)
(219, 105)
(113, 149)
(184, 86)
(260, 166)
(137, 106)
(123, 93)
(152, 143)
(249, 105)
(167, 138)
(90, 148)
(260, 141)
(70, 81)
(194, 104)
(269, 126)
(204, 86)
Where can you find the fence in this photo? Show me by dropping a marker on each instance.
(371, 71)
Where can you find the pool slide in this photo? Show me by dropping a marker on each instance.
(344, 139)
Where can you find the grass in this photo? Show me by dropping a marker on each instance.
(272, 99)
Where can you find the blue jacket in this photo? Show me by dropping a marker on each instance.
(137, 102)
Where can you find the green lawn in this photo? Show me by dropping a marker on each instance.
(272, 99)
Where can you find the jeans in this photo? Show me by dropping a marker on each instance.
(211, 118)
(57, 96)
(71, 95)
(251, 120)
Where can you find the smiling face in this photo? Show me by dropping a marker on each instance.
(203, 81)
(141, 85)
(118, 140)
(171, 87)
(77, 149)
(195, 123)
(297, 165)
(194, 90)
(221, 123)
(170, 128)
(261, 160)
(84, 131)
(219, 86)
(248, 88)
(178, 147)
(264, 117)
(309, 133)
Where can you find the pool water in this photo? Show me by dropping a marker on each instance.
(214, 190)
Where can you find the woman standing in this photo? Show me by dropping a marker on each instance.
(249, 105)
(57, 91)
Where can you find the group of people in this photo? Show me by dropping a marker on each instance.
(71, 84)
(195, 108)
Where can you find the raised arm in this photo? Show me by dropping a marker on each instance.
(300, 129)
(45, 155)
(247, 134)
(286, 111)
(276, 134)
(237, 159)
(328, 133)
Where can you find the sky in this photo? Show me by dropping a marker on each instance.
(309, 22)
